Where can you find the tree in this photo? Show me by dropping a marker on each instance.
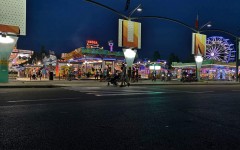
(172, 58)
(43, 52)
(190, 58)
(156, 55)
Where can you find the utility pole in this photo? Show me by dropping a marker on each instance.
(127, 4)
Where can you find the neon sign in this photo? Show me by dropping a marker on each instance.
(92, 42)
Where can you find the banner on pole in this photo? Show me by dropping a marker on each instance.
(199, 44)
(129, 34)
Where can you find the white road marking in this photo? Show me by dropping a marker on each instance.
(36, 100)
(115, 94)
(97, 91)
(199, 92)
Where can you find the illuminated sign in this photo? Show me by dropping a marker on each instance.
(92, 44)
(155, 67)
(199, 44)
(129, 34)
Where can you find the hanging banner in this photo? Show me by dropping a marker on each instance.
(199, 44)
(238, 50)
(13, 13)
(129, 34)
(6, 46)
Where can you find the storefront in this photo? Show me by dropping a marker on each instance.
(210, 70)
(89, 61)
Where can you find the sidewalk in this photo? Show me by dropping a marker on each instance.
(45, 83)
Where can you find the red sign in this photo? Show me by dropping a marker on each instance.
(91, 42)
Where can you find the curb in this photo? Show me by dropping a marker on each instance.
(30, 86)
(95, 84)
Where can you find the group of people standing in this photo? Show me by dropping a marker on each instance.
(102, 74)
(128, 75)
(35, 73)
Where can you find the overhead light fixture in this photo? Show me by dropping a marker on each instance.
(209, 25)
(6, 39)
(139, 9)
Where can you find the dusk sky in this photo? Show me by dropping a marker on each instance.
(64, 25)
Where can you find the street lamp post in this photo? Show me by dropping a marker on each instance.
(199, 60)
(198, 56)
(8, 39)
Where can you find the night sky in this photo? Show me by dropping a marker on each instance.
(63, 25)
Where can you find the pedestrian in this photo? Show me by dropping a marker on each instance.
(44, 72)
(34, 74)
(239, 77)
(30, 74)
(129, 73)
(137, 77)
(105, 74)
(154, 75)
(101, 75)
(97, 74)
(40, 74)
(79, 73)
(123, 75)
(133, 75)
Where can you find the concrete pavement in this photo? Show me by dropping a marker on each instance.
(45, 83)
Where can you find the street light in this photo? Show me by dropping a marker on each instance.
(198, 55)
(6, 45)
(208, 24)
(138, 8)
(129, 56)
(6, 39)
(199, 60)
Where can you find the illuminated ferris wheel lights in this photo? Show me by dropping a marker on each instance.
(220, 49)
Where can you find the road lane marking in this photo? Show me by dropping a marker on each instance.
(193, 92)
(115, 94)
(36, 100)
(199, 92)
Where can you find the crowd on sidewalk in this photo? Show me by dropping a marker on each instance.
(34, 73)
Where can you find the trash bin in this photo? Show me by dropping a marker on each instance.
(50, 75)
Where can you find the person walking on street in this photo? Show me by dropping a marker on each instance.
(129, 73)
(154, 75)
(137, 75)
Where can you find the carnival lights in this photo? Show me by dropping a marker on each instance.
(220, 49)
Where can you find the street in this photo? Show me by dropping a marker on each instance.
(135, 117)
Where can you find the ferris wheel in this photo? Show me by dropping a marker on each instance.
(220, 49)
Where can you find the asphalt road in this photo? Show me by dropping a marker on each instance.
(150, 117)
